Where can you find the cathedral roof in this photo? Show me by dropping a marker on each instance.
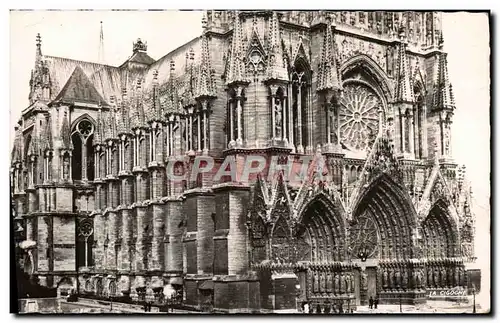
(140, 55)
(107, 80)
(79, 88)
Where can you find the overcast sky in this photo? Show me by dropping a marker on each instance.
(76, 35)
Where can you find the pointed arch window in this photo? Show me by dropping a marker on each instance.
(83, 151)
(300, 106)
(47, 166)
(84, 243)
(235, 122)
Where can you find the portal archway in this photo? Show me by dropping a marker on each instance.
(440, 233)
(321, 232)
(383, 222)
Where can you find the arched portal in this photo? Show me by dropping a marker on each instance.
(440, 233)
(383, 222)
(320, 232)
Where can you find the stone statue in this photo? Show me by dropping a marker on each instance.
(430, 281)
(352, 282)
(342, 283)
(348, 283)
(457, 276)
(450, 277)
(66, 167)
(315, 283)
(462, 277)
(364, 280)
(397, 278)
(405, 279)
(444, 282)
(385, 279)
(391, 279)
(337, 284)
(329, 283)
(322, 282)
(446, 141)
(436, 278)
(418, 279)
(278, 117)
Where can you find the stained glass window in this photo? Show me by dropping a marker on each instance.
(359, 120)
(364, 237)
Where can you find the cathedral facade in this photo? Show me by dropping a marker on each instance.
(365, 94)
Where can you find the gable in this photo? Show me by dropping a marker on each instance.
(78, 88)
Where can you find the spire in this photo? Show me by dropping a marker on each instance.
(100, 55)
(443, 90)
(404, 90)
(47, 134)
(204, 85)
(137, 117)
(236, 70)
(328, 74)
(65, 133)
(172, 100)
(276, 65)
(99, 133)
(111, 120)
(123, 121)
(40, 78)
(38, 47)
(156, 97)
(191, 73)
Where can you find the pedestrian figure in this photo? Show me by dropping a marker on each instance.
(375, 302)
(370, 303)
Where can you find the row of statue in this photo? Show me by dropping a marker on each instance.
(405, 278)
(390, 279)
(332, 282)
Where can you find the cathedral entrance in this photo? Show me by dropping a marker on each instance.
(327, 282)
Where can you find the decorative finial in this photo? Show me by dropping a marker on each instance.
(441, 41)
(38, 46)
(191, 54)
(204, 23)
(155, 75)
(139, 45)
(436, 151)
(138, 87)
(172, 66)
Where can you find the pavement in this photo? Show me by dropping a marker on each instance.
(93, 306)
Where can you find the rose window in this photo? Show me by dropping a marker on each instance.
(86, 229)
(364, 237)
(358, 116)
(85, 128)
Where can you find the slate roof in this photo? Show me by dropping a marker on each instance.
(79, 88)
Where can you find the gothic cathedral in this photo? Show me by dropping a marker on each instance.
(367, 94)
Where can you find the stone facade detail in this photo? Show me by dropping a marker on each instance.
(366, 94)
